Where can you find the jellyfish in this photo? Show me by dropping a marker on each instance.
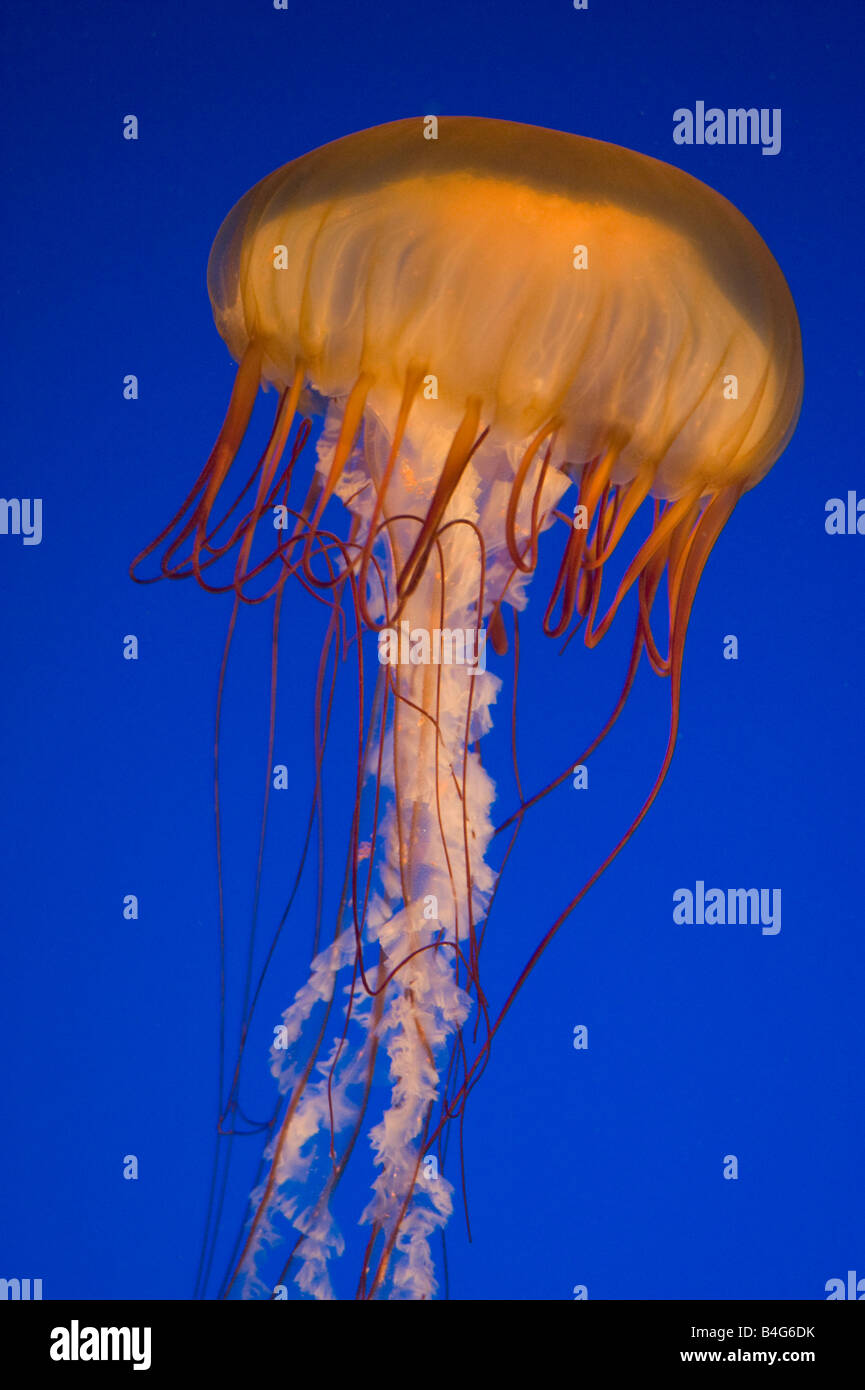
(487, 315)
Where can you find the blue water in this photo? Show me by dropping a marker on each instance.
(602, 1167)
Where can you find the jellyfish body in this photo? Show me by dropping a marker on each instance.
(486, 318)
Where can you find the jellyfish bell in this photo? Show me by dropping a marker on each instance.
(459, 252)
(487, 318)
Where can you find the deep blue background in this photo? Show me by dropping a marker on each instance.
(603, 1167)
